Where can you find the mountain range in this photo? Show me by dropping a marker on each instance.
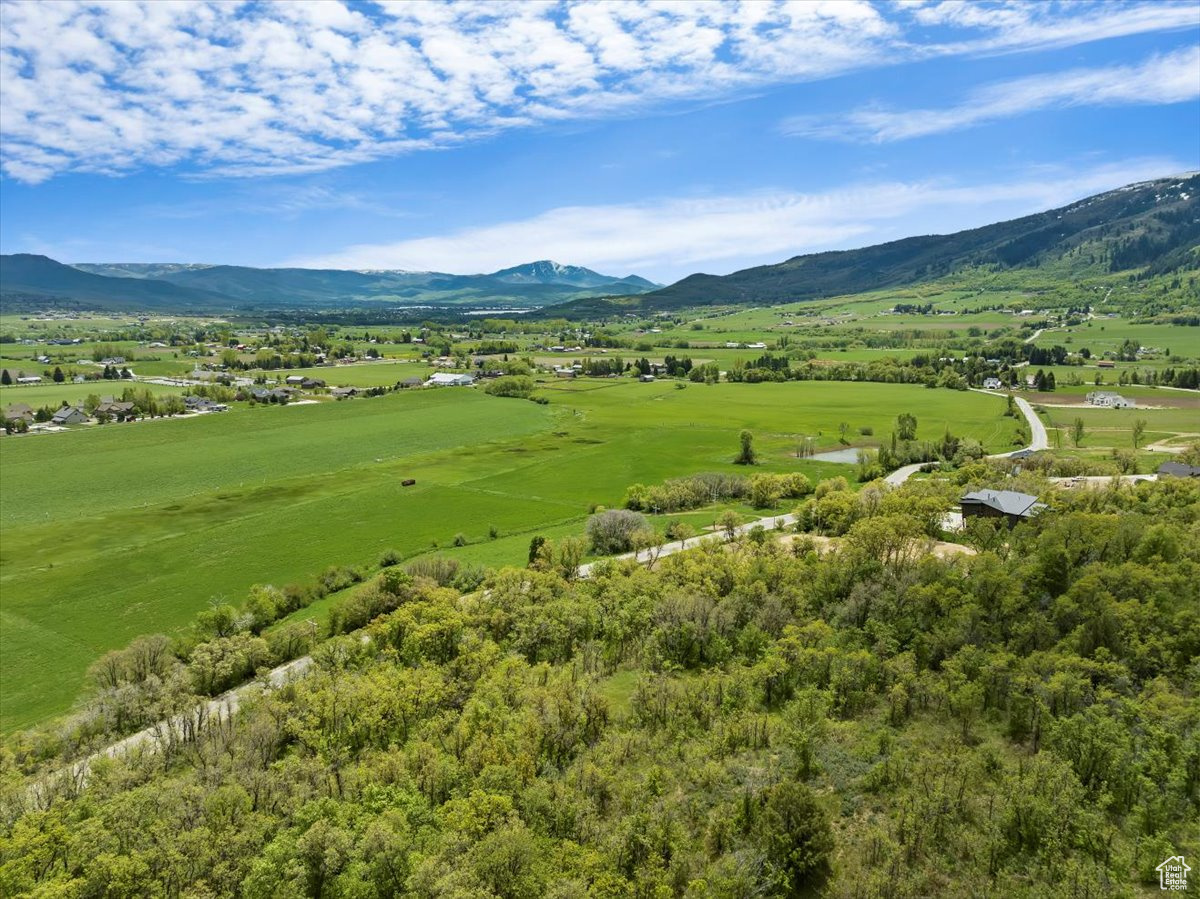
(31, 280)
(1152, 225)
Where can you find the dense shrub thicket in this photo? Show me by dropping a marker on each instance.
(754, 720)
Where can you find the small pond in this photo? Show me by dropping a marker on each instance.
(849, 455)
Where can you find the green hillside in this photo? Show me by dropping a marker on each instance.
(541, 283)
(1155, 224)
(29, 281)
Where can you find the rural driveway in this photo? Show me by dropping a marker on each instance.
(669, 549)
(1039, 440)
(903, 473)
(226, 705)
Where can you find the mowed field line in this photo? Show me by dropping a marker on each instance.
(98, 469)
(144, 550)
(73, 589)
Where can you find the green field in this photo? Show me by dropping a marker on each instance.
(1114, 427)
(1103, 335)
(113, 533)
(53, 394)
(361, 374)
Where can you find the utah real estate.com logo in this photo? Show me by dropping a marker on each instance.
(1172, 874)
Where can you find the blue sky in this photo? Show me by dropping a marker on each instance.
(632, 137)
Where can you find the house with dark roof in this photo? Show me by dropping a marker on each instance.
(1178, 470)
(1007, 504)
(71, 415)
(115, 408)
(203, 404)
(21, 411)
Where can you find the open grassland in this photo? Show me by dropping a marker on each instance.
(360, 374)
(52, 394)
(114, 532)
(1101, 335)
(1113, 428)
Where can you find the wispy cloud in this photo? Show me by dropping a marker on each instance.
(219, 88)
(670, 237)
(1014, 26)
(283, 202)
(1171, 78)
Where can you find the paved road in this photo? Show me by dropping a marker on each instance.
(669, 549)
(163, 733)
(1037, 430)
(1103, 480)
(902, 474)
(177, 728)
(1039, 440)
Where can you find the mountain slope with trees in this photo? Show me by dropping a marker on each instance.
(1154, 224)
(535, 283)
(28, 280)
(37, 281)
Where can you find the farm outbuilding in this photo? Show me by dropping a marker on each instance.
(443, 379)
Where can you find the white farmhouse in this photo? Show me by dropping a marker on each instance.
(1109, 400)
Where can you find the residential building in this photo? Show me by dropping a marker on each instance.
(21, 411)
(1007, 504)
(1109, 399)
(71, 415)
(446, 379)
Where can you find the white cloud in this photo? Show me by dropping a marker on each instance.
(671, 237)
(1172, 78)
(264, 88)
(1019, 25)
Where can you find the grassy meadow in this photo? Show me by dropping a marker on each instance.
(51, 394)
(114, 532)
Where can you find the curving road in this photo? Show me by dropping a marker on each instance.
(1039, 439)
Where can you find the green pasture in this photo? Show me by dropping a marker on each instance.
(1101, 335)
(52, 394)
(1114, 427)
(69, 354)
(358, 374)
(109, 533)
